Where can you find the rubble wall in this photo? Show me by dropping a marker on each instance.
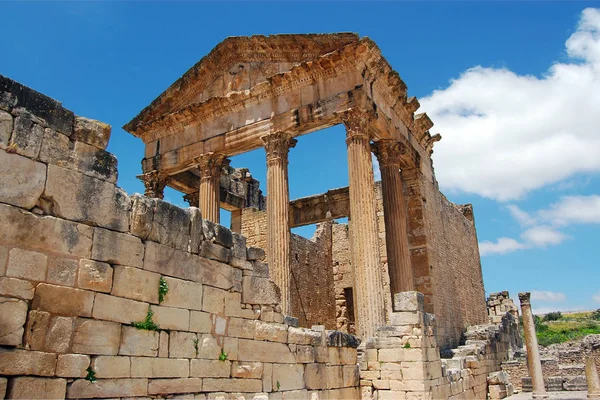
(106, 295)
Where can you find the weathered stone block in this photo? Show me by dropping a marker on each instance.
(142, 215)
(27, 264)
(13, 287)
(305, 354)
(24, 362)
(36, 330)
(63, 300)
(111, 367)
(208, 347)
(233, 306)
(242, 328)
(341, 339)
(239, 246)
(117, 309)
(246, 370)
(408, 301)
(135, 283)
(200, 322)
(117, 248)
(260, 291)
(27, 136)
(170, 386)
(22, 181)
(62, 271)
(271, 331)
(183, 345)
(270, 352)
(183, 294)
(210, 368)
(255, 253)
(13, 314)
(230, 347)
(170, 225)
(288, 377)
(3, 259)
(107, 388)
(260, 269)
(303, 336)
(138, 342)
(92, 132)
(72, 365)
(232, 385)
(220, 324)
(159, 367)
(196, 235)
(335, 377)
(215, 252)
(213, 300)
(217, 233)
(6, 127)
(163, 344)
(96, 337)
(315, 376)
(79, 197)
(95, 275)
(351, 376)
(171, 318)
(25, 387)
(58, 338)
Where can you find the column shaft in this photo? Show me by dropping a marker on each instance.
(394, 212)
(277, 146)
(534, 362)
(210, 183)
(368, 284)
(591, 376)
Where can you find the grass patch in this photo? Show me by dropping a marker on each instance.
(565, 327)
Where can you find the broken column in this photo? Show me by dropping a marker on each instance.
(277, 146)
(368, 282)
(154, 183)
(389, 154)
(210, 165)
(534, 362)
(591, 376)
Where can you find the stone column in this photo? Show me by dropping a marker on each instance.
(389, 153)
(368, 285)
(154, 183)
(277, 146)
(534, 363)
(591, 376)
(210, 165)
(193, 199)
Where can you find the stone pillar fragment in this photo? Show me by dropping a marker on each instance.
(534, 362)
(591, 376)
(389, 153)
(210, 165)
(193, 199)
(155, 183)
(277, 146)
(368, 284)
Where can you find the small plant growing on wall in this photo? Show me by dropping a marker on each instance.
(147, 324)
(196, 346)
(163, 289)
(406, 345)
(223, 355)
(91, 375)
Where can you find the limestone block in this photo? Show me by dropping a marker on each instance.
(260, 291)
(163, 344)
(305, 354)
(96, 337)
(270, 352)
(170, 386)
(267, 380)
(159, 367)
(255, 253)
(181, 264)
(27, 264)
(335, 377)
(213, 300)
(6, 127)
(215, 252)
(58, 338)
(196, 235)
(117, 309)
(381, 384)
(3, 259)
(94, 275)
(208, 347)
(408, 301)
(22, 181)
(27, 136)
(239, 246)
(230, 347)
(72, 365)
(315, 376)
(13, 314)
(270, 331)
(220, 324)
(232, 385)
(217, 234)
(170, 225)
(350, 375)
(63, 300)
(49, 233)
(183, 345)
(25, 387)
(62, 271)
(183, 294)
(92, 132)
(171, 318)
(13, 287)
(246, 370)
(406, 318)
(142, 215)
(242, 328)
(233, 306)
(348, 356)
(36, 330)
(117, 248)
(106, 388)
(82, 198)
(289, 376)
(391, 395)
(261, 269)
(304, 336)
(200, 322)
(341, 339)
(138, 342)
(135, 283)
(24, 362)
(111, 367)
(241, 264)
(210, 368)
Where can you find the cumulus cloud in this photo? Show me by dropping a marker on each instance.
(506, 134)
(502, 246)
(543, 295)
(542, 236)
(522, 217)
(573, 210)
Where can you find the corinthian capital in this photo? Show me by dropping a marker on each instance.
(357, 121)
(210, 165)
(154, 183)
(389, 152)
(525, 297)
(277, 146)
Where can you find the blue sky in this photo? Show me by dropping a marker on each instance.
(513, 87)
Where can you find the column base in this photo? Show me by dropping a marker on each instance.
(540, 395)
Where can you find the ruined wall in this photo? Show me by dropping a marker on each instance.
(81, 261)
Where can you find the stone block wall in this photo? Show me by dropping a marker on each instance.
(106, 295)
(500, 303)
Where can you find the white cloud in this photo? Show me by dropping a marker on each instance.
(596, 297)
(542, 236)
(573, 210)
(502, 246)
(507, 134)
(522, 217)
(543, 295)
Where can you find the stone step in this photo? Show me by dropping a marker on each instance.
(558, 383)
(572, 369)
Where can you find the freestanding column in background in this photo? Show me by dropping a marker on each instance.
(591, 376)
(534, 363)
(277, 146)
(389, 154)
(368, 286)
(155, 183)
(210, 165)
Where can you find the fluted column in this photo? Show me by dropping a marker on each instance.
(210, 165)
(277, 146)
(389, 154)
(534, 362)
(154, 183)
(368, 285)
